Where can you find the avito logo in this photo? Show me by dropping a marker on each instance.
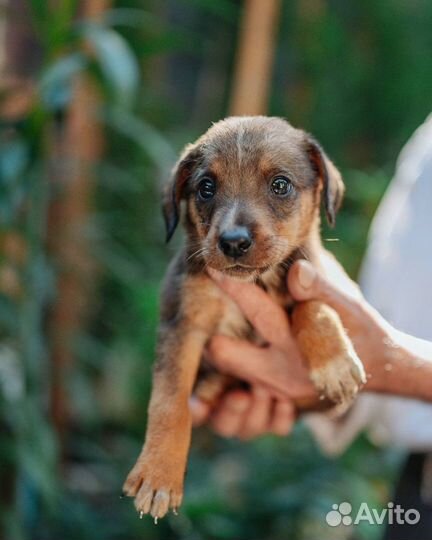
(342, 514)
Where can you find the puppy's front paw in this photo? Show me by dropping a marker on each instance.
(340, 379)
(155, 487)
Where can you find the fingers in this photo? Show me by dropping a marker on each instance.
(247, 415)
(268, 318)
(280, 371)
(200, 411)
(256, 420)
(283, 418)
(238, 357)
(257, 365)
(229, 417)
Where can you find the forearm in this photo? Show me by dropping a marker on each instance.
(405, 368)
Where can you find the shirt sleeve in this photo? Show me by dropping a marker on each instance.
(396, 279)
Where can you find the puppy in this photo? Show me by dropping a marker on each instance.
(251, 189)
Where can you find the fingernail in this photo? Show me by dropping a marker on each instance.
(306, 274)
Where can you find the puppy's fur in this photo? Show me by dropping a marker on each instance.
(242, 157)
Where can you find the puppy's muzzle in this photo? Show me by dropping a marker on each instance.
(236, 242)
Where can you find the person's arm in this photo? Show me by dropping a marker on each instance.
(396, 363)
(406, 370)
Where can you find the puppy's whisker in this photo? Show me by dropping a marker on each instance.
(197, 253)
(192, 255)
(304, 253)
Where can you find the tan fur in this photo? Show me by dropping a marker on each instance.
(333, 364)
(242, 155)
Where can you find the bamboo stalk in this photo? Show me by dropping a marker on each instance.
(255, 54)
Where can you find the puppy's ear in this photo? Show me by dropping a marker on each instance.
(173, 191)
(333, 186)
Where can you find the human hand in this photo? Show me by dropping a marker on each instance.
(374, 339)
(395, 362)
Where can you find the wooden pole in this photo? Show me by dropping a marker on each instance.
(16, 67)
(255, 55)
(76, 147)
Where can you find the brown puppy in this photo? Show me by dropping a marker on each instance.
(251, 188)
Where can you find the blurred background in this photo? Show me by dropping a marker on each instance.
(96, 99)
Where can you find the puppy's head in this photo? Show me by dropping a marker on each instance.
(252, 188)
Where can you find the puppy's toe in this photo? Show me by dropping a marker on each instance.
(160, 504)
(340, 380)
(176, 500)
(133, 482)
(144, 498)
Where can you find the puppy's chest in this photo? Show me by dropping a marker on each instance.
(232, 322)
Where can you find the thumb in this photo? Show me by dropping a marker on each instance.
(306, 283)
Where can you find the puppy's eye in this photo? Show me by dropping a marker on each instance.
(281, 186)
(206, 189)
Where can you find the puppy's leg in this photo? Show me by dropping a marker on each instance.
(156, 481)
(334, 366)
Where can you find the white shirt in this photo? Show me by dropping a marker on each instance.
(396, 278)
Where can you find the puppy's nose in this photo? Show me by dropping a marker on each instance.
(235, 242)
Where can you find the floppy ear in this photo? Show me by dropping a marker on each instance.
(333, 186)
(174, 189)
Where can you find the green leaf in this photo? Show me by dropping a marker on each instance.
(13, 160)
(55, 83)
(116, 60)
(144, 135)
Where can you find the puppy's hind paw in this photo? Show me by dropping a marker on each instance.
(340, 380)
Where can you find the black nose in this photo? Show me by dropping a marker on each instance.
(235, 242)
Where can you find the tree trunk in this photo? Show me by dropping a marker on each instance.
(77, 147)
(255, 54)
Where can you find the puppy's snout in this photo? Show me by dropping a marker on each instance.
(235, 242)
